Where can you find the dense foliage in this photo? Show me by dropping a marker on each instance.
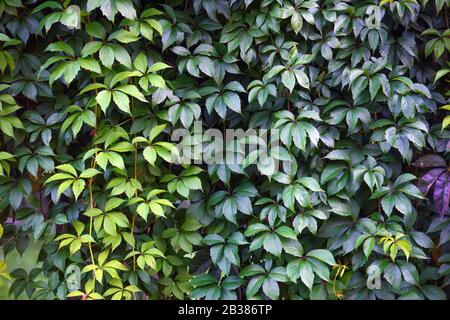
(91, 91)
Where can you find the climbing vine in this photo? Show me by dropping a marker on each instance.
(93, 91)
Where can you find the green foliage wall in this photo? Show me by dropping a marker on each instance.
(91, 91)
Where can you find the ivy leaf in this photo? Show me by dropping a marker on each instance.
(273, 244)
(322, 255)
(103, 98)
(122, 101)
(78, 187)
(306, 273)
(271, 288)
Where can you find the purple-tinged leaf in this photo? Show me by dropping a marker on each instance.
(403, 145)
(442, 193)
(444, 236)
(427, 180)
(430, 160)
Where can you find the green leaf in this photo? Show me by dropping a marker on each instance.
(368, 246)
(71, 17)
(90, 48)
(302, 79)
(143, 210)
(311, 184)
(90, 64)
(156, 81)
(322, 255)
(193, 183)
(126, 8)
(67, 168)
(158, 66)
(122, 101)
(274, 71)
(191, 225)
(112, 203)
(306, 273)
(286, 232)
(255, 228)
(272, 244)
(293, 270)
(232, 101)
(150, 155)
(133, 91)
(254, 285)
(78, 187)
(288, 79)
(106, 55)
(296, 22)
(271, 288)
(157, 209)
(103, 98)
(124, 36)
(116, 160)
(70, 71)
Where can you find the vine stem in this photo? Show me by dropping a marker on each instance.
(41, 207)
(133, 222)
(93, 78)
(446, 15)
(334, 282)
(91, 205)
(288, 96)
(91, 196)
